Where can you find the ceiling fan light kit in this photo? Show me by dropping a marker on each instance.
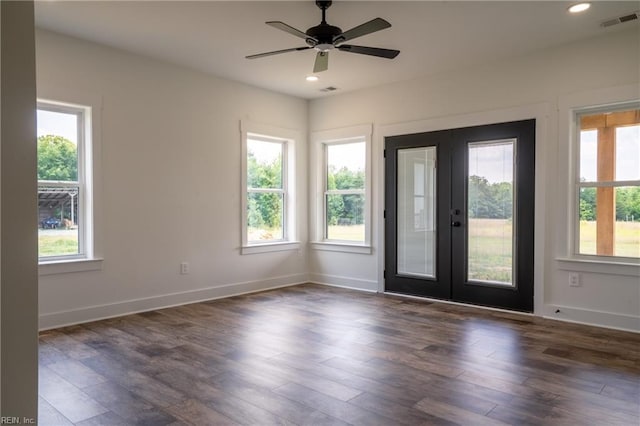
(324, 38)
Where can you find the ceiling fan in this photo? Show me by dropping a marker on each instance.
(324, 38)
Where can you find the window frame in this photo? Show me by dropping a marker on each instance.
(565, 260)
(576, 114)
(320, 141)
(88, 151)
(81, 183)
(327, 191)
(286, 137)
(282, 190)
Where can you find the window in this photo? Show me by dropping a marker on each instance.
(608, 182)
(268, 179)
(342, 180)
(344, 191)
(265, 190)
(65, 225)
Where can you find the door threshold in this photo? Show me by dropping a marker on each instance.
(451, 302)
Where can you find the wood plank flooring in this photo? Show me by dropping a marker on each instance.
(316, 355)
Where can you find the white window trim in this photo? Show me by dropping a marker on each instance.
(288, 137)
(568, 131)
(89, 178)
(319, 140)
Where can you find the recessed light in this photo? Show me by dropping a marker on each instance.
(579, 7)
(312, 78)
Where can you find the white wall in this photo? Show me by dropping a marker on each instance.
(531, 84)
(171, 180)
(18, 240)
(0, 215)
(170, 161)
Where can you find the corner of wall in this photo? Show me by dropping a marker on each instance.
(18, 266)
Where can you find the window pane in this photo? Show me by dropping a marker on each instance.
(265, 216)
(346, 166)
(490, 212)
(416, 212)
(601, 236)
(628, 153)
(588, 211)
(58, 221)
(627, 228)
(264, 164)
(345, 217)
(610, 154)
(588, 156)
(57, 146)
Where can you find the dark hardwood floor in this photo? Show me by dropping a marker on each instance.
(315, 355)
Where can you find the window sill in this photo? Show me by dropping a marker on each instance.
(69, 266)
(599, 266)
(270, 247)
(341, 247)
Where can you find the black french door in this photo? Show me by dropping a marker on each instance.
(459, 214)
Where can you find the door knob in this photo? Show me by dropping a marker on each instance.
(455, 223)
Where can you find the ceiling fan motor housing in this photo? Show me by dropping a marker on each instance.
(323, 36)
(323, 4)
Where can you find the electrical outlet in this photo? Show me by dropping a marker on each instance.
(184, 268)
(574, 279)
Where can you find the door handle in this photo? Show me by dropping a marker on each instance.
(455, 223)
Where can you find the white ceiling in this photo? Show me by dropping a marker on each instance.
(433, 36)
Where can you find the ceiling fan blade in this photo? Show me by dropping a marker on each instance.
(322, 62)
(288, 29)
(277, 52)
(364, 29)
(372, 51)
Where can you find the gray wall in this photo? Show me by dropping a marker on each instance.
(18, 235)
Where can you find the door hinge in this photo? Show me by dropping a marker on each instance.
(384, 214)
(384, 274)
(384, 153)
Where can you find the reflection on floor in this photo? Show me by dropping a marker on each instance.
(319, 355)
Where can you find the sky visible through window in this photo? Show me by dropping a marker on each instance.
(263, 151)
(59, 124)
(349, 155)
(493, 162)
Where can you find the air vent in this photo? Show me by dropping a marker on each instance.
(621, 19)
(329, 89)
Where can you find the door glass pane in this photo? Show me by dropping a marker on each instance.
(490, 201)
(417, 212)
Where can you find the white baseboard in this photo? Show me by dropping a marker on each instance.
(344, 282)
(94, 313)
(99, 312)
(589, 317)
